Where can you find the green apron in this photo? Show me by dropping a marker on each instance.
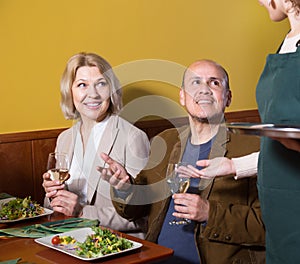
(278, 99)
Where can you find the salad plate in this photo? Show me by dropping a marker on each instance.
(4, 201)
(80, 235)
(268, 130)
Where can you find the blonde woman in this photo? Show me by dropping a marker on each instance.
(91, 95)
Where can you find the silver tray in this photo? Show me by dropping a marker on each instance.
(268, 130)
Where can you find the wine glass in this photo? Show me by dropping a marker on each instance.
(178, 184)
(58, 166)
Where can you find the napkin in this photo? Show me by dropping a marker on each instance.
(49, 228)
(12, 261)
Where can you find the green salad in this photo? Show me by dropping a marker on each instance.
(101, 243)
(20, 208)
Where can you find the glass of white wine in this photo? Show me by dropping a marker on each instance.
(58, 166)
(178, 184)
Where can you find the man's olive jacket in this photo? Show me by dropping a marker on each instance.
(234, 232)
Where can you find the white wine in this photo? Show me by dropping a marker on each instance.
(183, 186)
(59, 174)
(177, 184)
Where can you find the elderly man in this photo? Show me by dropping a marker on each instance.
(226, 225)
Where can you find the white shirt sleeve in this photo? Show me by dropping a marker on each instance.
(246, 166)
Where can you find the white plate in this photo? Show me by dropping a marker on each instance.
(79, 235)
(268, 130)
(4, 201)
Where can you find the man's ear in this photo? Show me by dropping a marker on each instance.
(182, 97)
(228, 98)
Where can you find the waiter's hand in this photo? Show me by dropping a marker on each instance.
(293, 144)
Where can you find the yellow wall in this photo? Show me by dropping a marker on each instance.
(38, 36)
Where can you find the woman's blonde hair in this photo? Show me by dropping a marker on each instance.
(68, 77)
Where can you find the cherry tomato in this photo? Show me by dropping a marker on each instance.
(55, 240)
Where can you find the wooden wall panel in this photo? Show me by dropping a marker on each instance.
(40, 150)
(251, 116)
(23, 156)
(28, 152)
(153, 127)
(16, 169)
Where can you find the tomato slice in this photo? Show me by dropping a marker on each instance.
(55, 240)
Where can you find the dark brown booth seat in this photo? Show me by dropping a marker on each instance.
(23, 155)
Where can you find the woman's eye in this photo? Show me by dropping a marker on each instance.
(100, 84)
(82, 85)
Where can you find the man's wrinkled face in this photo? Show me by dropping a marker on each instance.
(204, 94)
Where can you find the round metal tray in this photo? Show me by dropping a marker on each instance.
(268, 130)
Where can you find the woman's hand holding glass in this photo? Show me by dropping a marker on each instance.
(58, 166)
(57, 173)
(62, 201)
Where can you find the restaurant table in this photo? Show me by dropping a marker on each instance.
(31, 252)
